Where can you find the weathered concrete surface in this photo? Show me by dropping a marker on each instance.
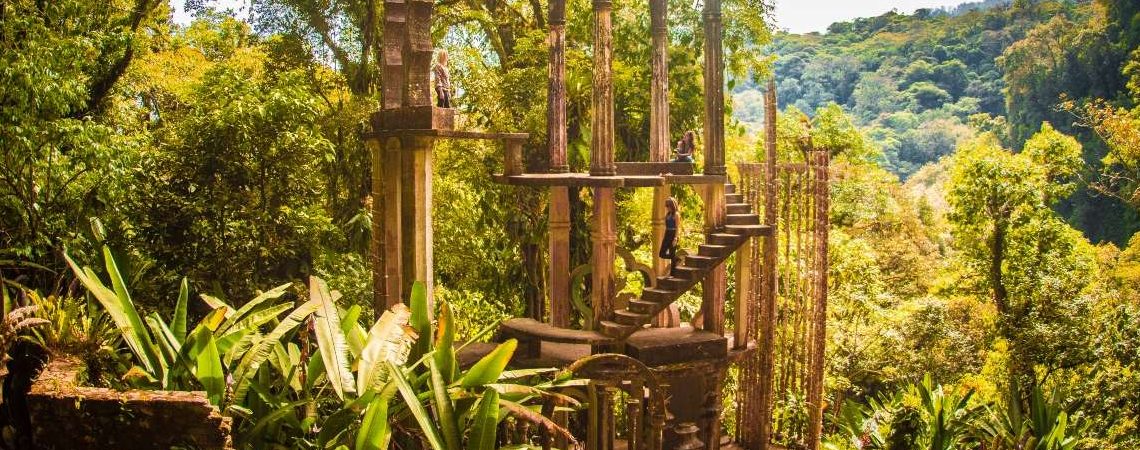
(67, 416)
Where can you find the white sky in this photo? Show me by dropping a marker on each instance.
(804, 16)
(797, 16)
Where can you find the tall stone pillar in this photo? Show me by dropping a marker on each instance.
(559, 256)
(419, 53)
(659, 83)
(416, 201)
(714, 89)
(392, 201)
(556, 92)
(657, 223)
(602, 143)
(743, 295)
(715, 283)
(376, 242)
(604, 239)
(659, 142)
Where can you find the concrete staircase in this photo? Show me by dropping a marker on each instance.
(741, 223)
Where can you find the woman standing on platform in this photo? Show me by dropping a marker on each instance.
(672, 232)
(442, 80)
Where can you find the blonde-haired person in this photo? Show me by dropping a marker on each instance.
(442, 80)
(672, 233)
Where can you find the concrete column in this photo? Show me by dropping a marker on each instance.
(391, 165)
(556, 92)
(743, 295)
(395, 37)
(714, 89)
(559, 256)
(416, 217)
(376, 243)
(418, 53)
(602, 143)
(659, 84)
(715, 283)
(604, 238)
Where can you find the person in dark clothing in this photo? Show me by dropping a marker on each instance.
(672, 232)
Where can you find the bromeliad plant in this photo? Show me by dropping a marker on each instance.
(316, 378)
(171, 357)
(400, 380)
(1048, 426)
(924, 415)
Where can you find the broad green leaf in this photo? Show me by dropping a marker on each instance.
(178, 325)
(354, 334)
(255, 320)
(421, 322)
(330, 340)
(488, 369)
(214, 319)
(122, 312)
(389, 340)
(253, 359)
(374, 431)
(210, 372)
(445, 410)
(427, 425)
(217, 304)
(485, 422)
(252, 305)
(445, 344)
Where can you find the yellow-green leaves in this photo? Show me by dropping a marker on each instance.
(488, 369)
(210, 371)
(485, 422)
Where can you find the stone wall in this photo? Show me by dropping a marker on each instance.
(67, 416)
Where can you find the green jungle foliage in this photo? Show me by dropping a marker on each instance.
(985, 271)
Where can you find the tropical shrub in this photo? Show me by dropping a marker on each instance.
(316, 378)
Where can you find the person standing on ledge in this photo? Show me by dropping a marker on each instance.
(672, 233)
(442, 80)
(685, 148)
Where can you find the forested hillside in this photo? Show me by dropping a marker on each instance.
(921, 84)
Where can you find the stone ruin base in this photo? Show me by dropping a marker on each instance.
(67, 416)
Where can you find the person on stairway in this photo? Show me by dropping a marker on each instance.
(685, 148)
(442, 80)
(672, 233)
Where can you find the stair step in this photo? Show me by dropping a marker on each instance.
(712, 250)
(702, 262)
(742, 219)
(739, 208)
(725, 239)
(658, 295)
(729, 188)
(669, 285)
(643, 307)
(614, 329)
(690, 273)
(627, 317)
(734, 198)
(749, 230)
